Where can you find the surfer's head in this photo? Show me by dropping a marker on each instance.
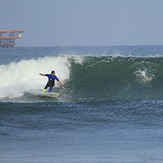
(53, 73)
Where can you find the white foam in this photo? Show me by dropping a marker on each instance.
(144, 75)
(17, 78)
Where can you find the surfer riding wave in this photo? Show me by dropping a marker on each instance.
(51, 81)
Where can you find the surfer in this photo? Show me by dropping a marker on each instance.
(51, 81)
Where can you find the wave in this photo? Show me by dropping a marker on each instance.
(86, 76)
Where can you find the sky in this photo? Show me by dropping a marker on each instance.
(84, 22)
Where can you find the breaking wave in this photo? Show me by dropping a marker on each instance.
(86, 76)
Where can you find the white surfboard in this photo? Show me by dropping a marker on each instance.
(54, 94)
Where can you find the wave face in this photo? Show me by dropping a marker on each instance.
(119, 77)
(86, 77)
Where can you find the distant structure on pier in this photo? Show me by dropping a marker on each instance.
(7, 37)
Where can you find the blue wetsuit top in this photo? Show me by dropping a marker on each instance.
(51, 79)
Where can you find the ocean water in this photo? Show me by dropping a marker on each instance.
(111, 109)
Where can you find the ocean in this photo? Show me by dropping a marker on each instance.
(110, 111)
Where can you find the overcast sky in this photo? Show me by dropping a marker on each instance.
(84, 22)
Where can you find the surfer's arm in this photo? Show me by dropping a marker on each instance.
(41, 74)
(60, 84)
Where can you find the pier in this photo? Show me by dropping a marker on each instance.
(8, 37)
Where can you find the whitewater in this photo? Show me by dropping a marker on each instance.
(111, 109)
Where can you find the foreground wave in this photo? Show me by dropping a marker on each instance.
(86, 77)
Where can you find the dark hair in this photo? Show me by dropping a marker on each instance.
(52, 72)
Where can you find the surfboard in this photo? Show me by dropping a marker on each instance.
(53, 95)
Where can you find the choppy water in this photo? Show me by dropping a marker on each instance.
(111, 109)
